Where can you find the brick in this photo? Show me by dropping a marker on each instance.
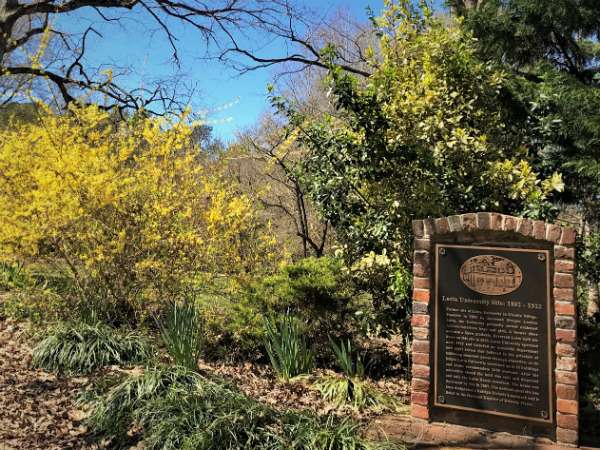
(566, 308)
(442, 226)
(422, 264)
(539, 230)
(568, 236)
(565, 335)
(564, 295)
(561, 252)
(421, 283)
(420, 371)
(510, 223)
(525, 227)
(566, 392)
(422, 244)
(553, 233)
(496, 221)
(564, 266)
(420, 308)
(419, 385)
(421, 295)
(564, 280)
(565, 436)
(567, 421)
(469, 222)
(420, 346)
(484, 221)
(566, 377)
(566, 363)
(420, 358)
(418, 228)
(567, 406)
(420, 333)
(420, 320)
(419, 398)
(565, 349)
(419, 411)
(455, 224)
(565, 322)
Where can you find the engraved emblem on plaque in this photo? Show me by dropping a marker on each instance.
(491, 275)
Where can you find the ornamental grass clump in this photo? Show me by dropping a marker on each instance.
(172, 408)
(82, 348)
(287, 348)
(351, 388)
(113, 411)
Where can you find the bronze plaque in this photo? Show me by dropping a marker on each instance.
(492, 331)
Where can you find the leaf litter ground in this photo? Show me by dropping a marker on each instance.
(38, 409)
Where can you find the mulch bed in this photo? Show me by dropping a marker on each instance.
(37, 408)
(259, 382)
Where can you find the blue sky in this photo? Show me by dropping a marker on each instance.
(233, 102)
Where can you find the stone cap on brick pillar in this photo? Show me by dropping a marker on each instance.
(562, 240)
(485, 221)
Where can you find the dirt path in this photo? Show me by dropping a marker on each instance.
(37, 409)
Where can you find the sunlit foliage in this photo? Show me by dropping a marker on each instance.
(129, 207)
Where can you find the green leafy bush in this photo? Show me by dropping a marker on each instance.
(182, 332)
(33, 292)
(13, 276)
(287, 348)
(329, 298)
(588, 257)
(174, 408)
(83, 348)
(389, 284)
(317, 286)
(589, 356)
(234, 324)
(321, 291)
(589, 375)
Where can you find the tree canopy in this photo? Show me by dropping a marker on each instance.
(430, 133)
(551, 51)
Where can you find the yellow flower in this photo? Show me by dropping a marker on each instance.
(129, 206)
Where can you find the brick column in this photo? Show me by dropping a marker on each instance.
(563, 294)
(565, 320)
(421, 373)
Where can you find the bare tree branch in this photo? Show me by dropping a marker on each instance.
(227, 29)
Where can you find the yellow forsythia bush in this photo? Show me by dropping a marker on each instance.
(131, 208)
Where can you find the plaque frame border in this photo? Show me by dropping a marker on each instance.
(549, 313)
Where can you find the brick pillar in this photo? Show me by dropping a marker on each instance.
(562, 287)
(565, 320)
(421, 374)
